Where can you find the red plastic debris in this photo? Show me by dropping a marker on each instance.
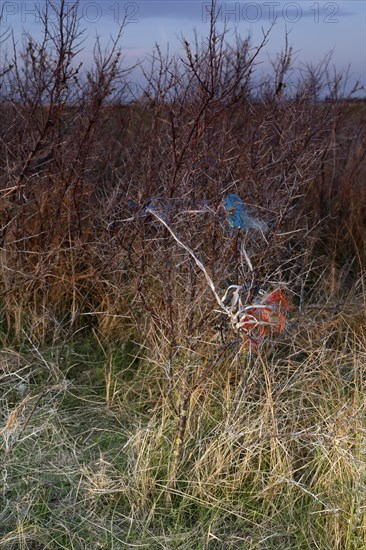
(265, 318)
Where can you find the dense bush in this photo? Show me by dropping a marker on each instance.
(115, 227)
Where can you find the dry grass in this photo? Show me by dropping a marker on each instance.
(274, 453)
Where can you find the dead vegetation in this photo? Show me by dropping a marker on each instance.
(133, 412)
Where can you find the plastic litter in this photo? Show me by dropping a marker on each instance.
(239, 217)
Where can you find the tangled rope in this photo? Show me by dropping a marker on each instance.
(255, 322)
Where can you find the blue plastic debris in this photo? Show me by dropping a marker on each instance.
(238, 216)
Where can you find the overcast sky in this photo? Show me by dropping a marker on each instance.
(315, 27)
